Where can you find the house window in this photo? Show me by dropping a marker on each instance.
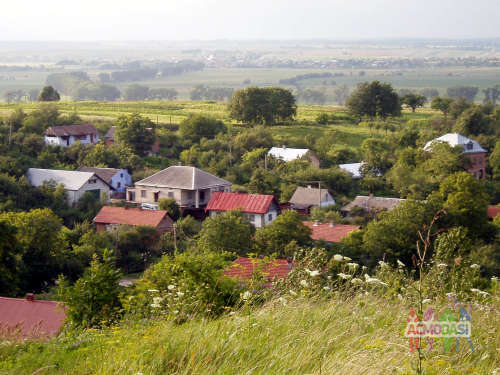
(156, 196)
(119, 184)
(143, 193)
(202, 195)
(92, 181)
(470, 146)
(131, 196)
(270, 217)
(121, 175)
(251, 217)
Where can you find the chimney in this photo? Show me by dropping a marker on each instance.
(30, 297)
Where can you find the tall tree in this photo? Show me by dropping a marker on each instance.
(136, 132)
(473, 121)
(49, 94)
(374, 99)
(467, 92)
(441, 104)
(414, 101)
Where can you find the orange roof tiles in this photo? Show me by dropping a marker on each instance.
(325, 232)
(243, 268)
(251, 203)
(130, 216)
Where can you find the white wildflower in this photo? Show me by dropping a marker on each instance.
(442, 265)
(344, 276)
(246, 296)
(372, 280)
(427, 300)
(338, 258)
(304, 283)
(347, 259)
(176, 312)
(171, 287)
(356, 281)
(329, 277)
(232, 313)
(400, 297)
(327, 288)
(353, 266)
(293, 293)
(480, 292)
(383, 264)
(153, 290)
(157, 300)
(155, 305)
(313, 273)
(451, 294)
(180, 294)
(367, 276)
(474, 290)
(282, 301)
(494, 279)
(400, 264)
(475, 266)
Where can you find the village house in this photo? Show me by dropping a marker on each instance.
(75, 183)
(288, 154)
(31, 319)
(259, 209)
(111, 218)
(471, 149)
(118, 179)
(273, 269)
(371, 205)
(329, 232)
(189, 186)
(69, 134)
(305, 198)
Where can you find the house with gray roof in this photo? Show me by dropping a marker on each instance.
(372, 204)
(75, 183)
(119, 179)
(305, 198)
(189, 186)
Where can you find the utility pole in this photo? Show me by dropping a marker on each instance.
(10, 131)
(175, 238)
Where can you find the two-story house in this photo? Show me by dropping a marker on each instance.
(259, 209)
(69, 134)
(189, 186)
(75, 183)
(471, 149)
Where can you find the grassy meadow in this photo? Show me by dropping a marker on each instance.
(360, 335)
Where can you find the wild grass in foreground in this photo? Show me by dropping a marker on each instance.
(358, 335)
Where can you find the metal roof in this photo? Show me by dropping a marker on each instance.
(33, 318)
(287, 154)
(130, 216)
(456, 139)
(72, 180)
(183, 177)
(373, 203)
(106, 174)
(251, 203)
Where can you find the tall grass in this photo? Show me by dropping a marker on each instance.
(358, 335)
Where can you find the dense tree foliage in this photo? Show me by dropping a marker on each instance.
(374, 99)
(413, 101)
(136, 132)
(49, 94)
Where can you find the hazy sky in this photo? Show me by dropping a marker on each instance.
(250, 19)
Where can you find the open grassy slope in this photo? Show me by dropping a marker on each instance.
(359, 336)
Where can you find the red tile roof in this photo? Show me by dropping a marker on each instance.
(243, 268)
(324, 232)
(130, 216)
(493, 211)
(32, 318)
(251, 203)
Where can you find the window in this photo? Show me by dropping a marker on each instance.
(270, 217)
(119, 184)
(251, 217)
(202, 195)
(143, 193)
(470, 146)
(156, 196)
(121, 175)
(93, 181)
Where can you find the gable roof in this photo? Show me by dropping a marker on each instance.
(251, 203)
(183, 177)
(33, 318)
(67, 130)
(456, 139)
(493, 211)
(328, 233)
(110, 134)
(309, 196)
(373, 203)
(130, 216)
(243, 268)
(72, 180)
(287, 154)
(106, 174)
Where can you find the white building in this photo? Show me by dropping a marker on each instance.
(69, 134)
(259, 209)
(75, 183)
(288, 154)
(354, 169)
(119, 179)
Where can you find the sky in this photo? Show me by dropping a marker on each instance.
(88, 20)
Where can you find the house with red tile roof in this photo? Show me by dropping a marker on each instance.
(110, 217)
(274, 269)
(259, 209)
(493, 211)
(29, 318)
(329, 232)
